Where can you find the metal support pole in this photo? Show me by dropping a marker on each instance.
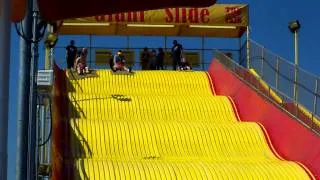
(47, 51)
(315, 100)
(239, 60)
(51, 58)
(47, 58)
(277, 73)
(23, 96)
(262, 63)
(202, 51)
(248, 47)
(48, 123)
(128, 42)
(90, 49)
(5, 30)
(165, 43)
(32, 153)
(165, 51)
(296, 71)
(42, 136)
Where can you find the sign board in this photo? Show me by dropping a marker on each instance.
(102, 57)
(220, 20)
(129, 56)
(168, 60)
(193, 58)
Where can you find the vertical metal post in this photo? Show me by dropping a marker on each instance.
(47, 57)
(90, 49)
(262, 64)
(32, 152)
(128, 42)
(277, 73)
(202, 52)
(47, 52)
(51, 58)
(239, 60)
(296, 70)
(165, 43)
(315, 100)
(48, 124)
(5, 30)
(23, 95)
(248, 47)
(165, 51)
(51, 53)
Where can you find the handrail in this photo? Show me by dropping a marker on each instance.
(301, 113)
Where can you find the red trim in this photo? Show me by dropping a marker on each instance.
(211, 83)
(289, 138)
(311, 176)
(266, 135)
(234, 108)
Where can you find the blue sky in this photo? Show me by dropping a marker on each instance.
(269, 26)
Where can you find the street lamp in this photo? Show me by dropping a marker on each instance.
(294, 27)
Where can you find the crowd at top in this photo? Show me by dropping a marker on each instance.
(150, 60)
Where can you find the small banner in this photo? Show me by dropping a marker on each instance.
(193, 58)
(168, 59)
(102, 57)
(129, 56)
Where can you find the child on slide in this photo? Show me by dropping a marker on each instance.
(80, 63)
(184, 65)
(119, 63)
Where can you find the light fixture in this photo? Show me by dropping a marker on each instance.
(86, 24)
(212, 27)
(294, 26)
(151, 25)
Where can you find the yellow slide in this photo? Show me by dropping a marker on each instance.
(164, 125)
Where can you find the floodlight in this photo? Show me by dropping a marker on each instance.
(294, 26)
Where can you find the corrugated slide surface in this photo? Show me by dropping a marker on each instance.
(163, 125)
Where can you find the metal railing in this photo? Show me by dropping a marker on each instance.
(276, 84)
(280, 74)
(205, 57)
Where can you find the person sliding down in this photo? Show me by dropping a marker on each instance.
(119, 62)
(80, 63)
(184, 65)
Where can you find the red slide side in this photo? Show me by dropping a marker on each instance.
(291, 140)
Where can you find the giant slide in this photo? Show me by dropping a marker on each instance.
(158, 125)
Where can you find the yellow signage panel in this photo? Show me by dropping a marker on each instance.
(168, 60)
(224, 20)
(102, 56)
(129, 56)
(219, 14)
(193, 58)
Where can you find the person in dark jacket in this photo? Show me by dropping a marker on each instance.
(145, 58)
(71, 52)
(160, 59)
(153, 59)
(177, 51)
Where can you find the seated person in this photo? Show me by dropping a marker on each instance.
(119, 62)
(184, 64)
(80, 63)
